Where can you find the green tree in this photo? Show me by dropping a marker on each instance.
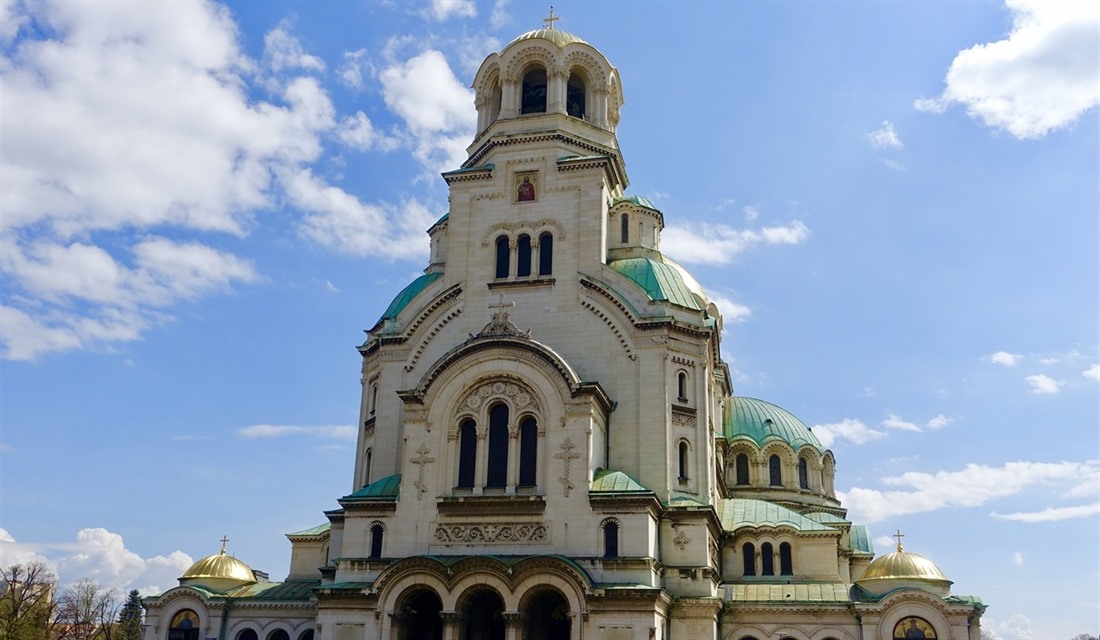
(87, 611)
(129, 617)
(27, 605)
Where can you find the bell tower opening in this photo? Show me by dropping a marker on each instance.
(575, 95)
(534, 91)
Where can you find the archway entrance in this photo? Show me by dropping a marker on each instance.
(419, 617)
(483, 618)
(548, 617)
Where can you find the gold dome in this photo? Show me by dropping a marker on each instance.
(220, 569)
(903, 569)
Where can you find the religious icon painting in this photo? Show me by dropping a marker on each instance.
(526, 186)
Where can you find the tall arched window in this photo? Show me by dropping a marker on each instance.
(767, 561)
(742, 464)
(498, 446)
(534, 91)
(748, 556)
(575, 96)
(775, 471)
(803, 474)
(611, 539)
(683, 461)
(682, 386)
(502, 257)
(367, 459)
(546, 254)
(786, 566)
(528, 452)
(376, 532)
(624, 229)
(467, 453)
(523, 255)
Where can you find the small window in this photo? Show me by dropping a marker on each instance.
(523, 254)
(748, 555)
(611, 539)
(367, 459)
(786, 567)
(528, 452)
(683, 461)
(775, 471)
(767, 562)
(373, 398)
(534, 92)
(803, 474)
(376, 533)
(742, 464)
(502, 257)
(498, 446)
(467, 453)
(682, 386)
(624, 230)
(546, 254)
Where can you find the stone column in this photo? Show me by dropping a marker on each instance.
(481, 459)
(452, 624)
(513, 457)
(556, 81)
(515, 624)
(509, 100)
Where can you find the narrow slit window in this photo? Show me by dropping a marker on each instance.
(803, 474)
(767, 561)
(775, 472)
(742, 464)
(467, 453)
(611, 540)
(748, 556)
(376, 541)
(498, 447)
(523, 254)
(683, 461)
(528, 452)
(546, 254)
(786, 567)
(502, 257)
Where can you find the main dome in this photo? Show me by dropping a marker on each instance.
(903, 569)
(220, 570)
(556, 36)
(762, 421)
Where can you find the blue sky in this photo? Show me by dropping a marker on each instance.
(895, 204)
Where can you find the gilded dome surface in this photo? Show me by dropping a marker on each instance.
(556, 36)
(903, 566)
(220, 566)
(762, 421)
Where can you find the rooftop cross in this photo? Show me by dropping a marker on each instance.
(225, 540)
(899, 535)
(551, 20)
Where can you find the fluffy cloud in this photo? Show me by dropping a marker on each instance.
(849, 429)
(1092, 372)
(1043, 384)
(885, 137)
(731, 311)
(895, 422)
(720, 244)
(101, 555)
(1017, 559)
(1015, 627)
(283, 51)
(1004, 358)
(444, 9)
(970, 487)
(1052, 514)
(335, 432)
(1042, 77)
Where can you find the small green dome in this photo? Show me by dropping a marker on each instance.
(402, 299)
(663, 280)
(762, 421)
(556, 36)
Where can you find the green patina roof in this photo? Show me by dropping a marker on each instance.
(825, 518)
(763, 421)
(609, 481)
(387, 488)
(444, 218)
(638, 200)
(790, 593)
(659, 281)
(859, 538)
(345, 586)
(738, 513)
(314, 531)
(684, 501)
(408, 293)
(289, 590)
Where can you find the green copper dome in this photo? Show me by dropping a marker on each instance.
(408, 293)
(762, 421)
(663, 281)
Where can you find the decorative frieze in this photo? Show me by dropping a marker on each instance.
(503, 533)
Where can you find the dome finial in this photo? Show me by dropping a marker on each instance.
(551, 20)
(225, 541)
(899, 535)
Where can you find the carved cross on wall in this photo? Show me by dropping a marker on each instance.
(421, 460)
(499, 313)
(565, 455)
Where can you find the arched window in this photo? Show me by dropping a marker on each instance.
(523, 254)
(528, 452)
(184, 626)
(247, 634)
(467, 453)
(624, 229)
(767, 561)
(278, 634)
(373, 398)
(748, 555)
(306, 635)
(534, 91)
(803, 474)
(742, 463)
(775, 471)
(786, 567)
(574, 96)
(498, 446)
(682, 386)
(683, 461)
(546, 254)
(611, 539)
(376, 532)
(502, 257)
(367, 459)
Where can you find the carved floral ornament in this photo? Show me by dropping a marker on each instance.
(493, 533)
(517, 395)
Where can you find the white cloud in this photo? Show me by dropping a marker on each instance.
(938, 422)
(1015, 627)
(357, 131)
(284, 51)
(1052, 514)
(893, 164)
(1017, 559)
(1043, 384)
(751, 213)
(849, 429)
(499, 16)
(1042, 77)
(443, 9)
(1092, 372)
(335, 432)
(720, 244)
(350, 72)
(1004, 358)
(885, 137)
(731, 311)
(970, 487)
(894, 422)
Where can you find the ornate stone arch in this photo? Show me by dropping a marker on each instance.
(419, 571)
(595, 72)
(519, 60)
(831, 633)
(245, 625)
(532, 573)
(913, 602)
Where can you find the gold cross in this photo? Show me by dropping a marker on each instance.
(899, 535)
(551, 20)
(225, 540)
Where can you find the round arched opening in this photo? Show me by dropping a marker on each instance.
(483, 616)
(418, 617)
(548, 617)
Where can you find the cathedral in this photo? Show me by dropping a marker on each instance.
(549, 442)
